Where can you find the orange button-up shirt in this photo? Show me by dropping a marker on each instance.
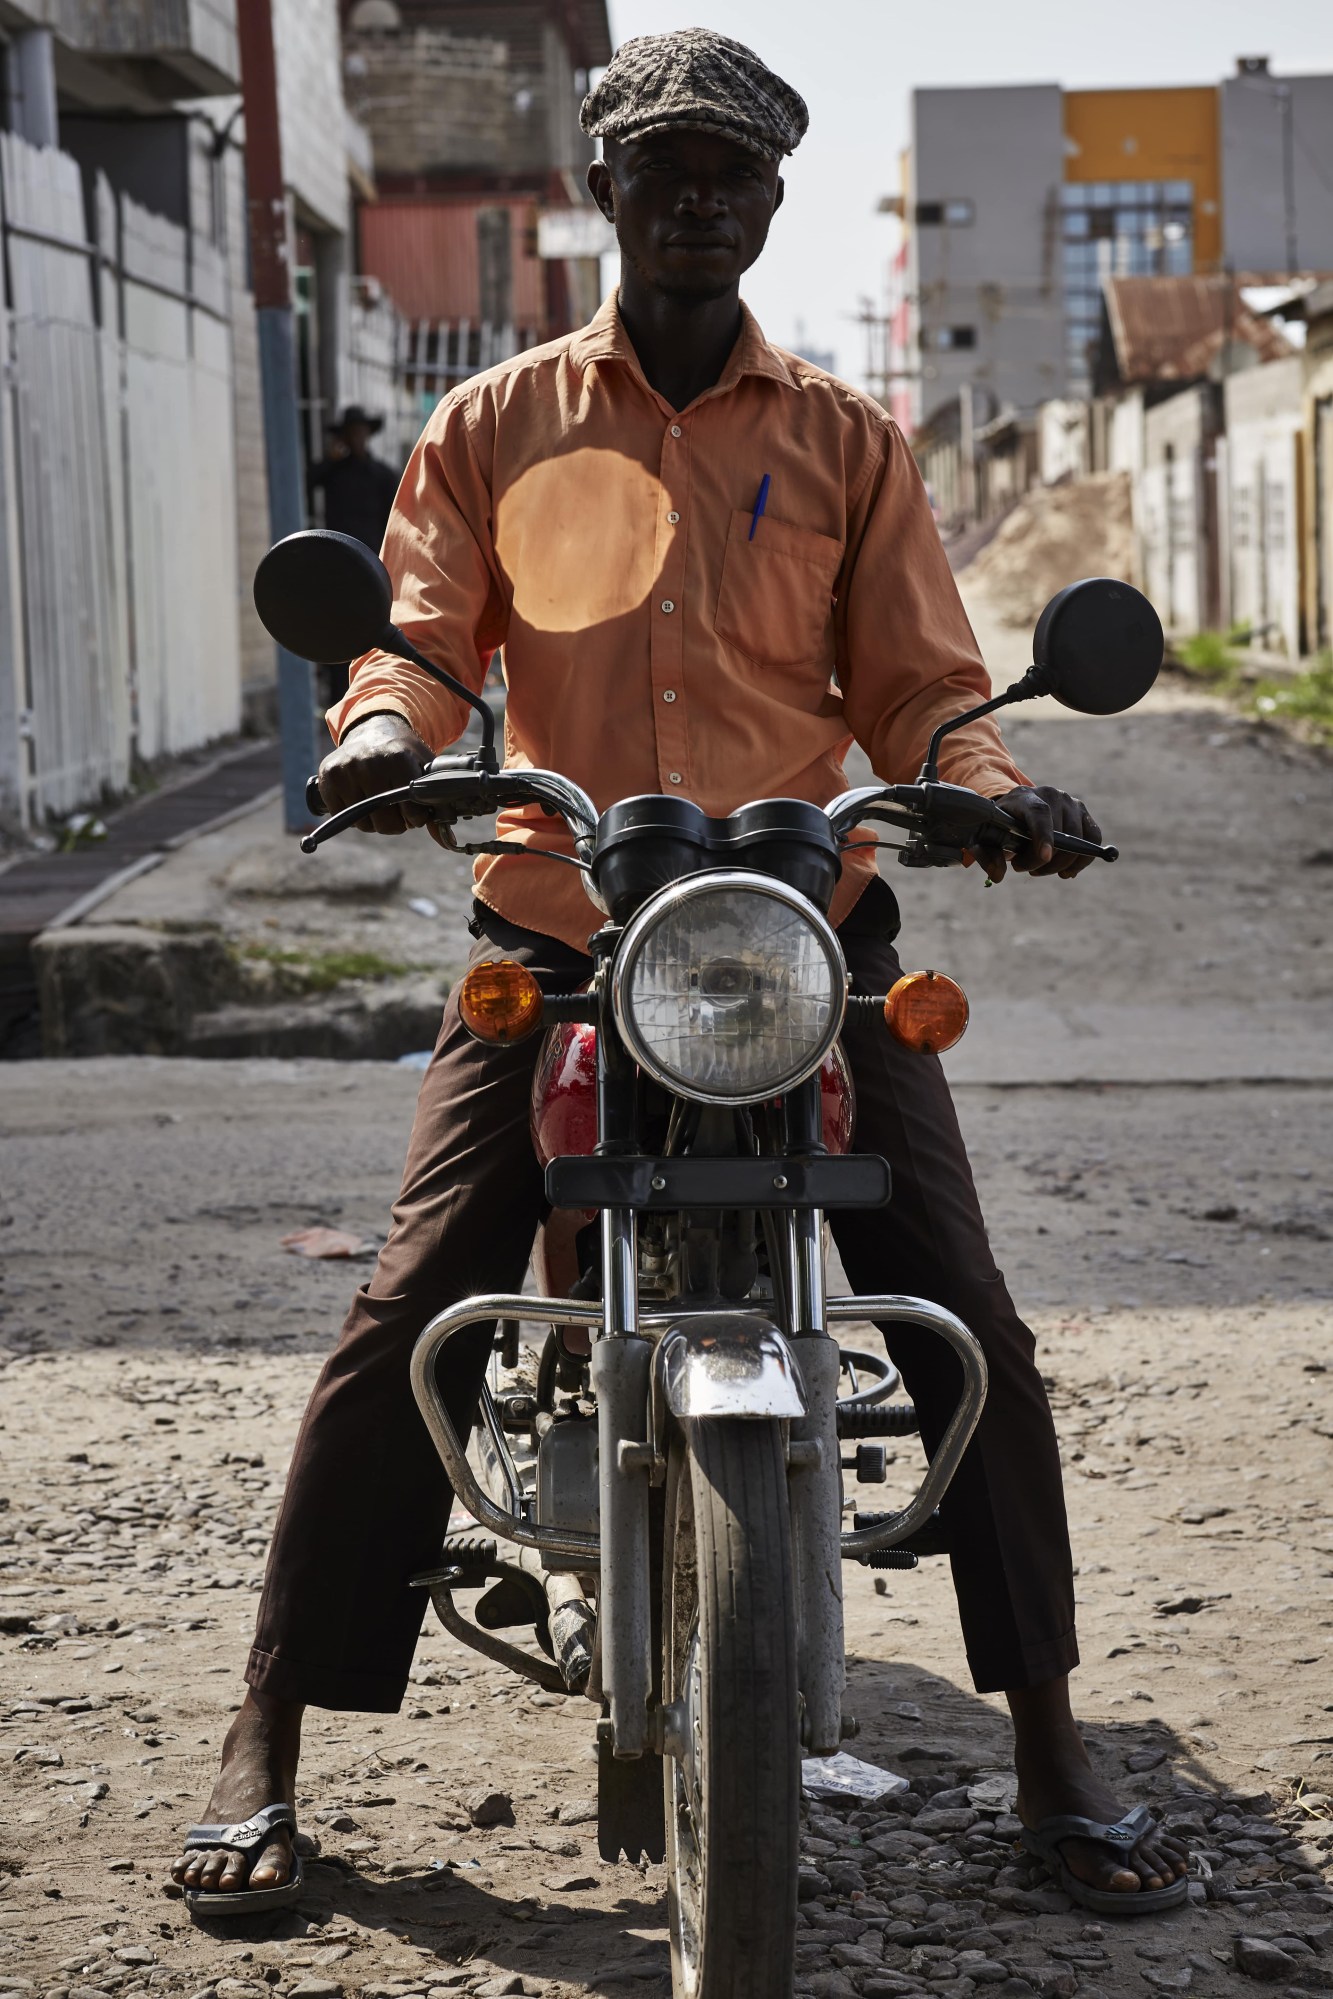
(561, 509)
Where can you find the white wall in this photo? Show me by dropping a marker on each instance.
(310, 105)
(1260, 500)
(1169, 510)
(1063, 442)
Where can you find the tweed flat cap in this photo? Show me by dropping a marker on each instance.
(697, 81)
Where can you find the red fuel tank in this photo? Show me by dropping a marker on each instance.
(564, 1095)
(837, 1098)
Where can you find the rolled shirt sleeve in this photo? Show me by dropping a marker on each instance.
(907, 659)
(448, 600)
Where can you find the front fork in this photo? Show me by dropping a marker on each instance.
(815, 1467)
(621, 1372)
(621, 1365)
(815, 1486)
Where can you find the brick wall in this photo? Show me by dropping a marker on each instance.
(431, 99)
(495, 91)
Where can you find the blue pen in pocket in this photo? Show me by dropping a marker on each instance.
(759, 504)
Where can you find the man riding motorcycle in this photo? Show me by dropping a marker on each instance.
(710, 566)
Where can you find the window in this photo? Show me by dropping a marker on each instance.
(1130, 228)
(944, 339)
(945, 214)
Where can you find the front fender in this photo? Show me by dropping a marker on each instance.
(728, 1364)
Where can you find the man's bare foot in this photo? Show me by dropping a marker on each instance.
(1055, 1777)
(259, 1759)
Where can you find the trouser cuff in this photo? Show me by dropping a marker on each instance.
(1033, 1664)
(318, 1686)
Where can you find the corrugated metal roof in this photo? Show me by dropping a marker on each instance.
(1173, 329)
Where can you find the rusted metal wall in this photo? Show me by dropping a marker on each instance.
(426, 254)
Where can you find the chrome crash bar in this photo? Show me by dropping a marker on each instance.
(940, 1475)
(467, 1489)
(514, 1526)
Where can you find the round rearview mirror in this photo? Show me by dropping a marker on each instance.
(1099, 644)
(323, 596)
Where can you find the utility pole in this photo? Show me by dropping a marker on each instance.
(270, 259)
(1288, 173)
(967, 452)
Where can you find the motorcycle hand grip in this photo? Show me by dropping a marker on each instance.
(1069, 843)
(314, 799)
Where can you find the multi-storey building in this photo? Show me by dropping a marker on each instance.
(473, 113)
(1019, 201)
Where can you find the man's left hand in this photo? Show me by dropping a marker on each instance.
(1039, 811)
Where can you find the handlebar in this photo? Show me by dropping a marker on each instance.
(943, 821)
(457, 787)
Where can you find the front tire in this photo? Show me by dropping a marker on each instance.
(729, 1665)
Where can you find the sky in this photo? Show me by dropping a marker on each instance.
(856, 63)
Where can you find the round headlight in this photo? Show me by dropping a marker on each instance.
(729, 987)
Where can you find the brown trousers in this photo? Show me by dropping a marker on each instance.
(367, 1500)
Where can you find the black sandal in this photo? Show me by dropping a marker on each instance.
(1045, 1840)
(248, 1836)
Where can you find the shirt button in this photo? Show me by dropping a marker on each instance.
(673, 517)
(675, 777)
(669, 695)
(667, 605)
(675, 430)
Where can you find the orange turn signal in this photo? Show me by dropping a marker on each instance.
(500, 1001)
(927, 1011)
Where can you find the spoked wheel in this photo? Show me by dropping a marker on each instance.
(729, 1669)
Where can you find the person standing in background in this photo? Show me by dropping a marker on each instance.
(358, 488)
(358, 491)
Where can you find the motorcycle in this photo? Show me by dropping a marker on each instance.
(663, 1503)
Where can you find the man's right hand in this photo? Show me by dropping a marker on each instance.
(377, 754)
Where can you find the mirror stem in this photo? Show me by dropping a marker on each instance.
(396, 642)
(1033, 683)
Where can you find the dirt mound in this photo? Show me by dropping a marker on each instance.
(1053, 536)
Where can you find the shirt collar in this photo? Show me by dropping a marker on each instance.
(604, 339)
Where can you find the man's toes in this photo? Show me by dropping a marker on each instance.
(1098, 1868)
(186, 1869)
(235, 1875)
(273, 1866)
(1161, 1862)
(210, 1874)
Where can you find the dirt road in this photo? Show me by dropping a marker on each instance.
(1171, 1240)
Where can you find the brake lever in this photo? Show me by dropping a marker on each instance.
(456, 782)
(339, 821)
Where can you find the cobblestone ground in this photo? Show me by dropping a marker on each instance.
(157, 1349)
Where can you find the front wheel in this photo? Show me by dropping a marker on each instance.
(729, 1671)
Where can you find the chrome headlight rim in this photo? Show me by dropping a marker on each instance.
(686, 890)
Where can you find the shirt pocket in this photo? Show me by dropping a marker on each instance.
(775, 602)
